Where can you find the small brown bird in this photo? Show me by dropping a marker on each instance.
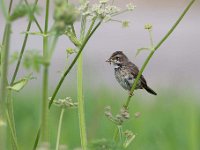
(126, 72)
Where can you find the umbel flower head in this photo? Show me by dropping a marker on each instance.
(65, 103)
(65, 14)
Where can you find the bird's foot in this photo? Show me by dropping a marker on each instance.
(130, 94)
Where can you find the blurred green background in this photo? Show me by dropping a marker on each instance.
(169, 121)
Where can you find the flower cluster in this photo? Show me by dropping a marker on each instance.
(103, 10)
(65, 103)
(65, 14)
(119, 118)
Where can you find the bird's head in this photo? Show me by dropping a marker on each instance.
(117, 58)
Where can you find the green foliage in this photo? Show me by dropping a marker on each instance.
(169, 122)
(32, 60)
(65, 14)
(22, 10)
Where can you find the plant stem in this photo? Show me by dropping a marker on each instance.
(13, 133)
(4, 84)
(72, 64)
(59, 128)
(81, 111)
(44, 121)
(23, 47)
(36, 22)
(11, 118)
(152, 52)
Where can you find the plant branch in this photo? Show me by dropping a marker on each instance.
(23, 47)
(44, 119)
(4, 84)
(73, 62)
(38, 25)
(59, 128)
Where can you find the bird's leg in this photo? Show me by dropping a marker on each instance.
(130, 94)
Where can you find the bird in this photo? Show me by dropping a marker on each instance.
(126, 72)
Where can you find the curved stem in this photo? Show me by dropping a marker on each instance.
(59, 128)
(72, 64)
(23, 47)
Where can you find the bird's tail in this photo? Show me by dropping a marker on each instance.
(148, 89)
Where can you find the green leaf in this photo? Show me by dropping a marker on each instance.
(19, 85)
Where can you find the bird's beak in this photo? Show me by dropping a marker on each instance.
(109, 61)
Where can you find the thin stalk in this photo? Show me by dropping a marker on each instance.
(89, 34)
(23, 47)
(52, 47)
(81, 111)
(4, 84)
(16, 147)
(9, 106)
(59, 128)
(152, 52)
(73, 30)
(11, 118)
(151, 38)
(44, 121)
(35, 20)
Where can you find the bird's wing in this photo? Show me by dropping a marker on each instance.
(134, 71)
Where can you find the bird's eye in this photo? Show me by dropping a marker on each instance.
(117, 58)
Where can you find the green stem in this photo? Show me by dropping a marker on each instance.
(34, 6)
(44, 121)
(13, 133)
(89, 34)
(10, 117)
(23, 47)
(152, 52)
(81, 111)
(59, 128)
(151, 39)
(4, 84)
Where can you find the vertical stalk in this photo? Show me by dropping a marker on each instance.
(3, 85)
(44, 121)
(81, 111)
(59, 128)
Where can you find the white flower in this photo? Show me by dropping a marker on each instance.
(84, 6)
(103, 1)
(112, 9)
(130, 6)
